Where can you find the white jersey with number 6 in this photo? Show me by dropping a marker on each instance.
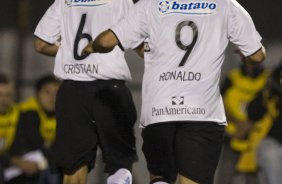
(74, 23)
(185, 44)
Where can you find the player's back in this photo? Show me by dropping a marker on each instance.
(190, 34)
(85, 19)
(186, 43)
(77, 22)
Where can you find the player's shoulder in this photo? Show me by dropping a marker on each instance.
(224, 2)
(122, 3)
(233, 3)
(127, 1)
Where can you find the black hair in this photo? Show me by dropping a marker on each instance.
(4, 79)
(256, 70)
(46, 79)
(276, 79)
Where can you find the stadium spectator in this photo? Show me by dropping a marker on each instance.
(266, 109)
(234, 165)
(38, 123)
(19, 165)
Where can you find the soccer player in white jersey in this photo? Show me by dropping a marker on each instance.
(94, 107)
(182, 111)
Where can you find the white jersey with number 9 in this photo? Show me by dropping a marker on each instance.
(185, 44)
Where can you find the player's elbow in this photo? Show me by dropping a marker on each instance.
(258, 56)
(101, 43)
(39, 45)
(105, 42)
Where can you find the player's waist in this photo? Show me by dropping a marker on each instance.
(94, 82)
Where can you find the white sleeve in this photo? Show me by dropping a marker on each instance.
(241, 30)
(132, 30)
(49, 29)
(127, 6)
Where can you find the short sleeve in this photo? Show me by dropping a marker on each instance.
(241, 29)
(132, 30)
(48, 28)
(127, 5)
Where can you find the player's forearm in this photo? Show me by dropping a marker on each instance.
(27, 167)
(105, 42)
(257, 57)
(140, 50)
(46, 48)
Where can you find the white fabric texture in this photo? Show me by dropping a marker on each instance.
(74, 24)
(186, 41)
(121, 176)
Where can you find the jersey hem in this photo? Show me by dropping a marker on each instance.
(254, 52)
(44, 39)
(144, 125)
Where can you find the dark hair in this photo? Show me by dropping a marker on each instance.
(4, 79)
(276, 79)
(46, 79)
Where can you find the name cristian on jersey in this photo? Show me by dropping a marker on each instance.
(193, 8)
(81, 68)
(180, 76)
(70, 3)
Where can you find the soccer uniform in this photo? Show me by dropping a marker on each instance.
(94, 107)
(185, 44)
(74, 24)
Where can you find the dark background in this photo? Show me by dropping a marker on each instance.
(267, 14)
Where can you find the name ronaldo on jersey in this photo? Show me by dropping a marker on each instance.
(180, 76)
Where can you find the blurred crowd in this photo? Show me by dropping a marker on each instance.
(27, 133)
(252, 151)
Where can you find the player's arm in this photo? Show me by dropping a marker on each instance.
(257, 57)
(140, 50)
(45, 48)
(242, 32)
(103, 43)
(128, 33)
(28, 167)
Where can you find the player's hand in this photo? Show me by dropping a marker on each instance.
(88, 49)
(28, 167)
(237, 51)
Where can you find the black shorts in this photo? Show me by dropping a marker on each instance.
(90, 114)
(191, 149)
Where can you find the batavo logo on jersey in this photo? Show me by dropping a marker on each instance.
(70, 3)
(194, 8)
